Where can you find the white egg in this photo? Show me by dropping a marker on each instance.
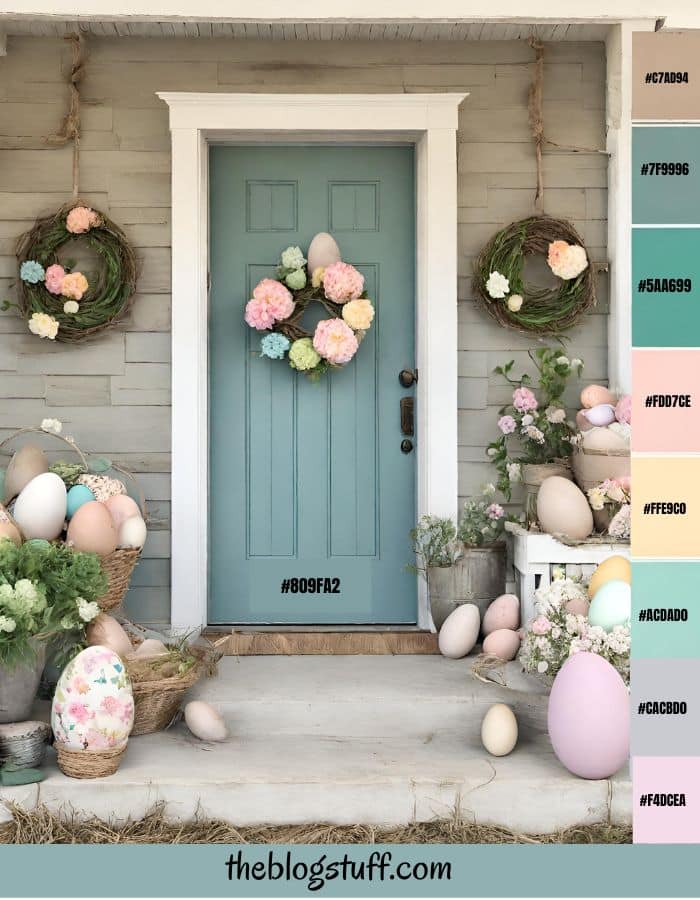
(150, 647)
(323, 251)
(459, 631)
(40, 509)
(205, 722)
(132, 533)
(499, 730)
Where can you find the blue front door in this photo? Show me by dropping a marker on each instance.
(311, 497)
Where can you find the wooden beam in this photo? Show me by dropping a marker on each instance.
(323, 643)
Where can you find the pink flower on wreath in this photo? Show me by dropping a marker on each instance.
(495, 511)
(342, 282)
(54, 279)
(524, 399)
(81, 219)
(557, 251)
(335, 341)
(78, 711)
(74, 286)
(541, 625)
(271, 303)
(507, 424)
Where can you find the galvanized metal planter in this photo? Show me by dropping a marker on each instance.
(479, 576)
(18, 687)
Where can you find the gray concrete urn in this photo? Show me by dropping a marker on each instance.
(18, 686)
(479, 576)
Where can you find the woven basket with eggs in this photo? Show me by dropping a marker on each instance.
(38, 498)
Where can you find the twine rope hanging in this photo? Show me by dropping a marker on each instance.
(70, 130)
(534, 109)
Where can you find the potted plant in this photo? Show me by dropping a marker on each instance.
(437, 549)
(536, 421)
(47, 597)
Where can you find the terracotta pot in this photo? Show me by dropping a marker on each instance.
(533, 475)
(18, 686)
(478, 577)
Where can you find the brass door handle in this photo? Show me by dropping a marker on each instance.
(406, 407)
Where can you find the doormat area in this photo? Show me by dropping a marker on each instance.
(40, 826)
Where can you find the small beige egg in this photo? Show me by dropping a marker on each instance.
(107, 632)
(504, 612)
(121, 507)
(132, 534)
(323, 251)
(502, 643)
(562, 508)
(594, 394)
(205, 722)
(28, 462)
(577, 606)
(91, 529)
(459, 631)
(499, 730)
(8, 530)
(150, 647)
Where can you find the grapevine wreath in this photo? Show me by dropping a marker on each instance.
(61, 303)
(278, 304)
(500, 287)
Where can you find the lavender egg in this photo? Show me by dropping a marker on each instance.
(603, 414)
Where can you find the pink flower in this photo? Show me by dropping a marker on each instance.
(54, 279)
(95, 740)
(342, 282)
(80, 685)
(74, 285)
(507, 424)
(557, 252)
(111, 706)
(494, 511)
(524, 399)
(335, 341)
(78, 711)
(81, 219)
(541, 625)
(271, 303)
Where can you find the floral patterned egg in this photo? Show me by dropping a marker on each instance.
(102, 486)
(93, 707)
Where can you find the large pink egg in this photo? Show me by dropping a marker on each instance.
(121, 507)
(594, 395)
(589, 717)
(623, 410)
(91, 529)
(502, 643)
(504, 612)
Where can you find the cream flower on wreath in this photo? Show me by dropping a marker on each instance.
(514, 302)
(358, 314)
(43, 325)
(497, 285)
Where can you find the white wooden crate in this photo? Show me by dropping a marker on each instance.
(536, 555)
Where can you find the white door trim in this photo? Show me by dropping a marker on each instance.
(427, 120)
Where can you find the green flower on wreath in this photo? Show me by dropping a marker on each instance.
(274, 345)
(296, 280)
(292, 258)
(302, 355)
(31, 271)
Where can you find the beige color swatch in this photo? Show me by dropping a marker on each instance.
(660, 57)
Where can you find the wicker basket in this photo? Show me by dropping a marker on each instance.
(118, 567)
(156, 702)
(88, 763)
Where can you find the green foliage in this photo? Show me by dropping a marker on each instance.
(69, 473)
(434, 543)
(482, 521)
(47, 592)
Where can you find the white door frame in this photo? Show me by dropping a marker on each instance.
(429, 121)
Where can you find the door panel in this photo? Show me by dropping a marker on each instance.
(308, 480)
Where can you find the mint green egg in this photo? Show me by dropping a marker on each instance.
(611, 606)
(77, 495)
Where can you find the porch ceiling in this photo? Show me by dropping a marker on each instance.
(310, 31)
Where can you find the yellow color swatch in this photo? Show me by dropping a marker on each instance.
(666, 506)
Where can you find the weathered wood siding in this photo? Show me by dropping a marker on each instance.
(113, 393)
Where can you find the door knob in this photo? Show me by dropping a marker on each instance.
(406, 445)
(408, 377)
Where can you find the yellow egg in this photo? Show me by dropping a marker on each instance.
(614, 568)
(499, 730)
(92, 530)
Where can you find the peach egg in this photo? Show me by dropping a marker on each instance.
(121, 507)
(595, 394)
(91, 529)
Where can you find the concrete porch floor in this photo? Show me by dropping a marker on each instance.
(342, 739)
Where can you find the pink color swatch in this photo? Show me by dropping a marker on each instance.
(671, 378)
(671, 776)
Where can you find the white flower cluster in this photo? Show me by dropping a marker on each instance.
(24, 599)
(87, 611)
(7, 624)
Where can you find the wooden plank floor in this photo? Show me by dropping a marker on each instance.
(320, 643)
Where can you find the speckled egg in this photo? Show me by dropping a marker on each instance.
(102, 486)
(595, 394)
(91, 530)
(40, 509)
(93, 707)
(28, 462)
(499, 730)
(562, 508)
(323, 251)
(504, 612)
(502, 643)
(459, 631)
(603, 414)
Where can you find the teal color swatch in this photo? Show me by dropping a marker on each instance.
(665, 287)
(666, 610)
(666, 175)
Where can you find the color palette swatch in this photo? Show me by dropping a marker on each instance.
(666, 438)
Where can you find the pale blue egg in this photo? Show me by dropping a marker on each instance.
(612, 605)
(77, 495)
